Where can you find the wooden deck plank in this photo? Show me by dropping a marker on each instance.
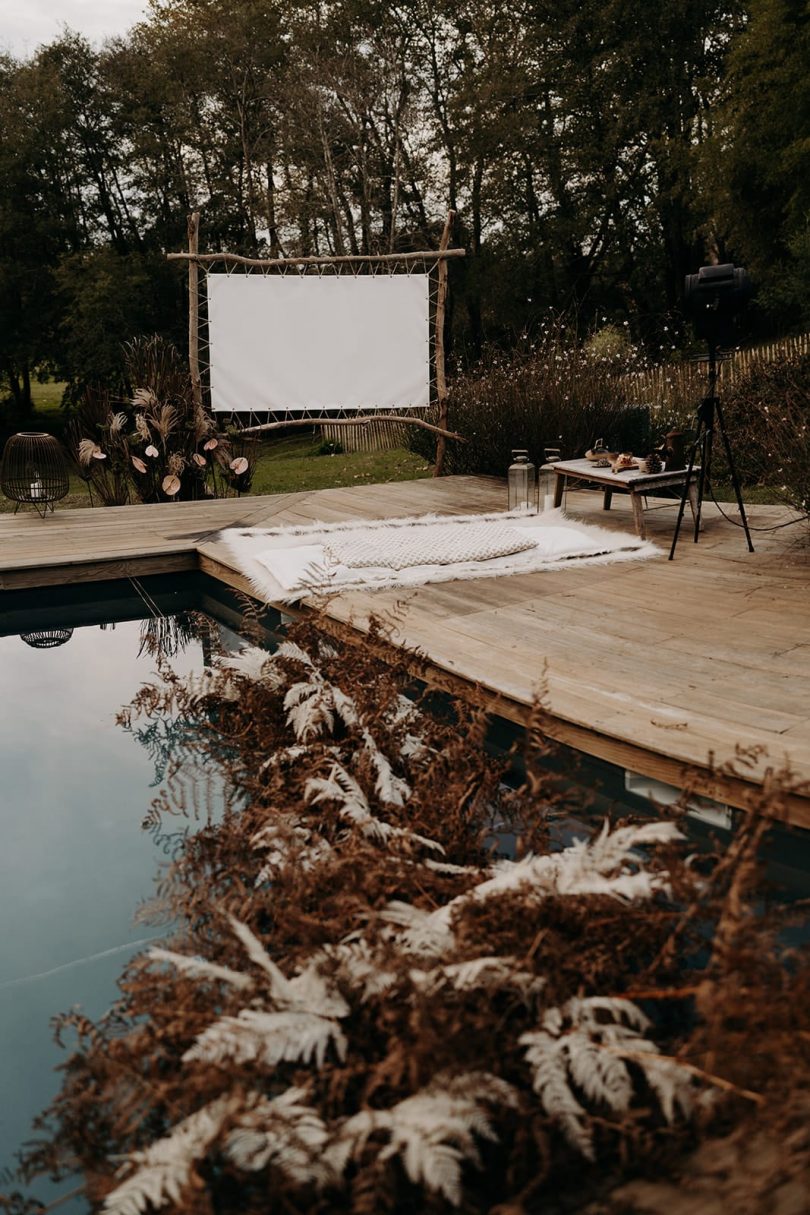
(656, 664)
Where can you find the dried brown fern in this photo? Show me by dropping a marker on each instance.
(343, 939)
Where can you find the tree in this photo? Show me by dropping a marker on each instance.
(594, 151)
(758, 164)
(35, 227)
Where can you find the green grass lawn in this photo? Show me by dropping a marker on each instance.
(47, 398)
(293, 463)
(284, 466)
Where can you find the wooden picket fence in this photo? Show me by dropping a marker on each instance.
(376, 436)
(676, 384)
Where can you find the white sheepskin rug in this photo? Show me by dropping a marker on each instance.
(285, 564)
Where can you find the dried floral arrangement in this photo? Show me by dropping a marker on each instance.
(362, 1009)
(160, 445)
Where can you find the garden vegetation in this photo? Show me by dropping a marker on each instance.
(362, 1006)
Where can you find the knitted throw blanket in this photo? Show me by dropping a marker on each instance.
(286, 564)
(397, 548)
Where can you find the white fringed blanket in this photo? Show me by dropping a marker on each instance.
(287, 563)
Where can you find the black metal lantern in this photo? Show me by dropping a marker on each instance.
(34, 471)
(46, 639)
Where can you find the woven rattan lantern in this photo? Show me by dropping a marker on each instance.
(34, 471)
(46, 639)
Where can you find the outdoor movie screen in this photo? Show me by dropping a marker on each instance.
(310, 343)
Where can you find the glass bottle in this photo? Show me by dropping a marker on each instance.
(520, 481)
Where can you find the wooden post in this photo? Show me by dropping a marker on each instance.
(441, 381)
(194, 307)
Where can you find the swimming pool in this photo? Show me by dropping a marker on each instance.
(76, 862)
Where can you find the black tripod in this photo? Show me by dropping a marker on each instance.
(708, 412)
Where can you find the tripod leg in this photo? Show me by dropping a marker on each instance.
(705, 472)
(734, 479)
(687, 482)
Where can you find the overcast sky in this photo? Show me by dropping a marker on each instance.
(26, 24)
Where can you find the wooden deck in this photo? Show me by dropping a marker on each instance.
(656, 666)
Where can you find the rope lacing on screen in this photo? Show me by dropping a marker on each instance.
(325, 269)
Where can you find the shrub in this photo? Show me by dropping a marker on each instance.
(329, 447)
(768, 416)
(557, 393)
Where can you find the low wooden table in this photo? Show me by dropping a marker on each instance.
(632, 482)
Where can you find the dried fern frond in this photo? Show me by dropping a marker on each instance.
(164, 1170)
(283, 1133)
(487, 973)
(286, 755)
(279, 986)
(389, 787)
(250, 663)
(308, 991)
(433, 1132)
(358, 968)
(288, 840)
(450, 869)
(294, 652)
(268, 1038)
(201, 969)
(423, 932)
(413, 747)
(340, 787)
(313, 992)
(607, 865)
(353, 805)
(310, 708)
(584, 1048)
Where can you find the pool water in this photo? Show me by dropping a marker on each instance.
(608, 790)
(75, 862)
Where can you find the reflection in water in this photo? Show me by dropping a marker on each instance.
(168, 636)
(46, 639)
(76, 862)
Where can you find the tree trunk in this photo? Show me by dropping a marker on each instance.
(471, 272)
(247, 162)
(331, 184)
(27, 402)
(275, 246)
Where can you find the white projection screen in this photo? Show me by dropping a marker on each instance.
(304, 342)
